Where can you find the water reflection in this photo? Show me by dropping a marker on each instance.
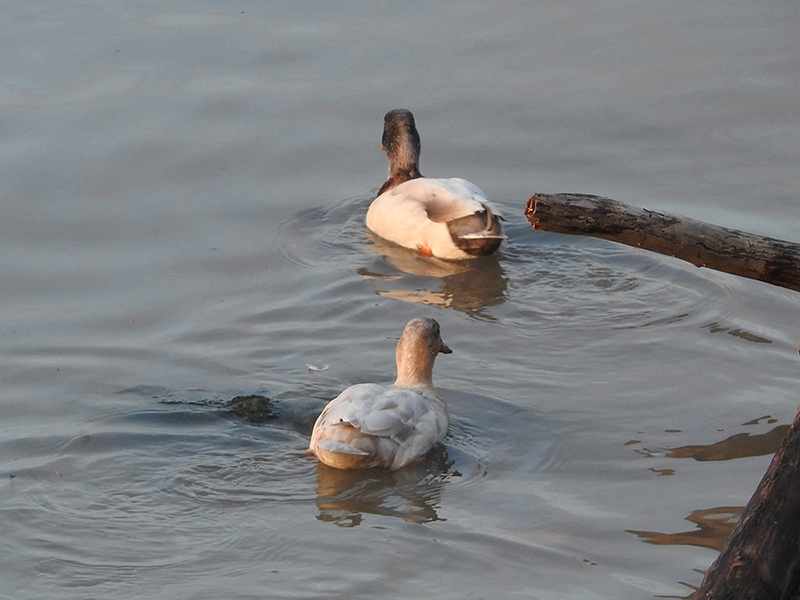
(412, 494)
(716, 327)
(740, 445)
(715, 526)
(467, 286)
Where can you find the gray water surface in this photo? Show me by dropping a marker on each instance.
(183, 198)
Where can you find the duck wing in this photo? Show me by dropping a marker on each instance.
(474, 225)
(383, 411)
(412, 419)
(448, 218)
(440, 200)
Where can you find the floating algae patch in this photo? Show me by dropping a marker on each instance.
(253, 408)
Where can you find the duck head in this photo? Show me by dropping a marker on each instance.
(400, 141)
(416, 351)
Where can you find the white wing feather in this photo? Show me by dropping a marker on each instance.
(415, 213)
(413, 419)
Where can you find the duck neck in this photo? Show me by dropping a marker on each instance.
(404, 161)
(398, 177)
(414, 364)
(402, 150)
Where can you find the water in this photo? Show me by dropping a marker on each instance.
(183, 199)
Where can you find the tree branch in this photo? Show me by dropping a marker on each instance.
(704, 245)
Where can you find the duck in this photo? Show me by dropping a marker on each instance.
(446, 218)
(373, 425)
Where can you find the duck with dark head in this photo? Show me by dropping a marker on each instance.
(446, 218)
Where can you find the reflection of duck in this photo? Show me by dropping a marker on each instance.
(371, 425)
(412, 494)
(466, 286)
(447, 218)
(415, 263)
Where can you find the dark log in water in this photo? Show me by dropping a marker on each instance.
(761, 560)
(704, 245)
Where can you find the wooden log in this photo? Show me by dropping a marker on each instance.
(761, 560)
(704, 245)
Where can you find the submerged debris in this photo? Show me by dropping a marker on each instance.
(153, 391)
(253, 408)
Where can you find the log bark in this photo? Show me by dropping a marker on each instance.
(761, 560)
(704, 245)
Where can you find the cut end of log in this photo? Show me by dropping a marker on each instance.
(530, 210)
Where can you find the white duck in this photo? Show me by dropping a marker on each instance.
(371, 425)
(446, 218)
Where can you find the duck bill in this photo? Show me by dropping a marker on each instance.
(445, 349)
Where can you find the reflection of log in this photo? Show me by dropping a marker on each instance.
(714, 527)
(740, 445)
(761, 560)
(704, 245)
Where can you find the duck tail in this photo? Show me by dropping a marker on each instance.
(342, 456)
(477, 234)
(340, 447)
